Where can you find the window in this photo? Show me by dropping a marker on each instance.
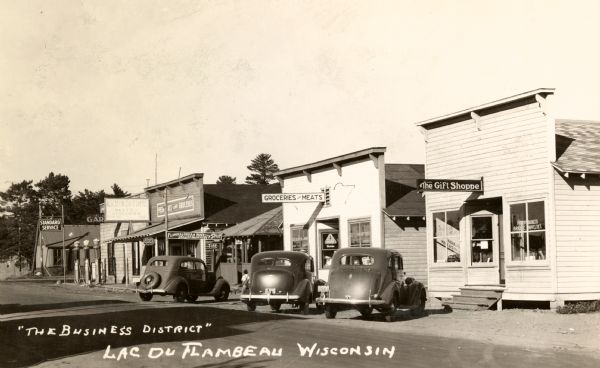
(360, 233)
(446, 237)
(329, 244)
(300, 239)
(159, 263)
(481, 239)
(186, 265)
(279, 262)
(528, 231)
(357, 260)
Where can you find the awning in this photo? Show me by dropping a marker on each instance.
(153, 230)
(267, 223)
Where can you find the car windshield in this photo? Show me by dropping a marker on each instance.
(282, 262)
(159, 263)
(357, 260)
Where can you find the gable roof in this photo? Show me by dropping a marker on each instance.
(53, 239)
(235, 203)
(577, 146)
(264, 224)
(401, 193)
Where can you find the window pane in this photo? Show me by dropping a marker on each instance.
(439, 250)
(481, 227)
(453, 220)
(453, 250)
(537, 245)
(519, 246)
(517, 217)
(354, 235)
(536, 216)
(438, 224)
(365, 234)
(482, 251)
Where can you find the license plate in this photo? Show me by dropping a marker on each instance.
(323, 288)
(270, 291)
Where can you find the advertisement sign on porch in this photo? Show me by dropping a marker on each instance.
(176, 206)
(193, 235)
(126, 209)
(450, 185)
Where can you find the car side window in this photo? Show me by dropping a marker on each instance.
(186, 265)
(199, 266)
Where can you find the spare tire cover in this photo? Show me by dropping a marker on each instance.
(151, 280)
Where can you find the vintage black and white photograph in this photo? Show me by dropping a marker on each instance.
(254, 184)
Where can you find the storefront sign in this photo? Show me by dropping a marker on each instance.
(148, 240)
(293, 197)
(330, 242)
(530, 225)
(95, 219)
(192, 235)
(450, 185)
(176, 206)
(126, 209)
(51, 224)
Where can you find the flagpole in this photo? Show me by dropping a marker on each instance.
(62, 210)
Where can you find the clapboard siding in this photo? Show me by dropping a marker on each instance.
(410, 241)
(577, 233)
(527, 281)
(446, 279)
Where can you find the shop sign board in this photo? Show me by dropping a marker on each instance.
(148, 240)
(95, 219)
(194, 235)
(450, 185)
(176, 206)
(293, 197)
(51, 224)
(330, 242)
(126, 209)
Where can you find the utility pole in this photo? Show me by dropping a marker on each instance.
(64, 260)
(166, 222)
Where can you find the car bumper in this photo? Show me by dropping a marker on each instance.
(268, 297)
(151, 291)
(351, 301)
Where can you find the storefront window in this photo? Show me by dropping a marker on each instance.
(329, 244)
(528, 231)
(446, 237)
(300, 239)
(360, 233)
(481, 239)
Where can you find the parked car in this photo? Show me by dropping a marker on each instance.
(367, 279)
(278, 277)
(186, 278)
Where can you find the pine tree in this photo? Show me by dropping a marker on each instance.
(262, 167)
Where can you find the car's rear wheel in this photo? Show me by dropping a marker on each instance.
(180, 294)
(303, 307)
(250, 306)
(191, 298)
(420, 310)
(330, 311)
(146, 297)
(391, 310)
(365, 311)
(223, 293)
(275, 306)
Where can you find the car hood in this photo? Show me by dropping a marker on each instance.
(354, 283)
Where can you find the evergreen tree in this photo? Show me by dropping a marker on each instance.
(262, 167)
(226, 179)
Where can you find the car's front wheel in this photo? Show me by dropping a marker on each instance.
(330, 311)
(146, 297)
(223, 293)
(180, 294)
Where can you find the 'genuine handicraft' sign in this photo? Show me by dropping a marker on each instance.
(450, 185)
(193, 235)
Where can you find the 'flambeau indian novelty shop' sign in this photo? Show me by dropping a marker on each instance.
(450, 185)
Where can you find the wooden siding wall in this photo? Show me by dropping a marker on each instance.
(510, 149)
(409, 237)
(578, 234)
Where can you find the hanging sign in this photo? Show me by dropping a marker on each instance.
(51, 224)
(193, 235)
(293, 197)
(450, 185)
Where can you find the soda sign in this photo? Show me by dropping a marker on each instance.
(51, 224)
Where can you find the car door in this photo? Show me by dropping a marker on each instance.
(200, 277)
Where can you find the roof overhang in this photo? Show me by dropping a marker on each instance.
(475, 110)
(153, 230)
(567, 172)
(185, 179)
(334, 162)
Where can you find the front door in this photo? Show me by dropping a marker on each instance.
(483, 249)
(329, 243)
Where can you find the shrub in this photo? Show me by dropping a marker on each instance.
(580, 307)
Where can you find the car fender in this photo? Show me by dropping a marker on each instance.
(388, 293)
(304, 290)
(171, 286)
(218, 285)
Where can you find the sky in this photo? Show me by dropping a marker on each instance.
(97, 89)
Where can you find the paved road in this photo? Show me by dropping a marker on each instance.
(34, 317)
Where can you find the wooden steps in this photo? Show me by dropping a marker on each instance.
(477, 297)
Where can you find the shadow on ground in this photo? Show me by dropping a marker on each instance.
(21, 350)
(22, 308)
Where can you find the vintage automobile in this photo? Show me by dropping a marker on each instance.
(186, 278)
(279, 277)
(367, 279)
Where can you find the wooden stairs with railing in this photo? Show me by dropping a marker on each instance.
(477, 297)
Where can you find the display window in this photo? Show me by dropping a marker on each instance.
(528, 231)
(446, 237)
(360, 233)
(482, 239)
(299, 235)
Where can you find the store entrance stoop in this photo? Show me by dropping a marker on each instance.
(477, 297)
